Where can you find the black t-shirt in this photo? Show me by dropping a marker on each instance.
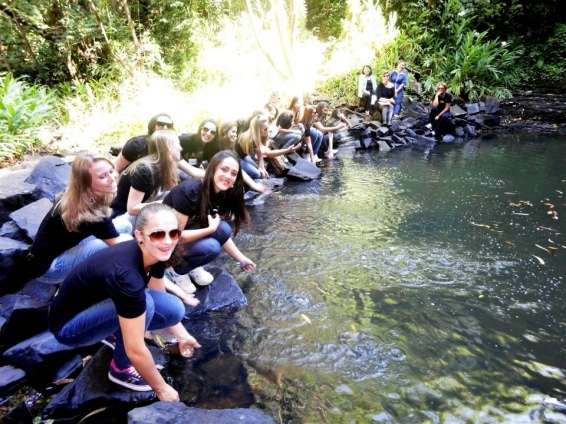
(135, 148)
(185, 198)
(443, 99)
(285, 139)
(385, 92)
(193, 147)
(53, 238)
(115, 273)
(142, 178)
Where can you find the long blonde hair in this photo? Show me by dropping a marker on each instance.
(159, 147)
(79, 203)
(250, 140)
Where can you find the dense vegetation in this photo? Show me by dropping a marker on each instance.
(82, 47)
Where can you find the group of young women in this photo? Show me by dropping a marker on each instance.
(129, 252)
(387, 96)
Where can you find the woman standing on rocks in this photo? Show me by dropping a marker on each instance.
(200, 206)
(366, 89)
(79, 223)
(399, 78)
(120, 292)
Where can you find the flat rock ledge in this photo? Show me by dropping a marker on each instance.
(179, 413)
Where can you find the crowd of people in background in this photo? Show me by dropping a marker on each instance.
(129, 252)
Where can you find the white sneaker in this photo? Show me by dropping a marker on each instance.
(182, 280)
(201, 276)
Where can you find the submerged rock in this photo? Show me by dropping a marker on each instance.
(303, 170)
(179, 413)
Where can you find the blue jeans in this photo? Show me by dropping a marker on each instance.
(124, 223)
(398, 103)
(205, 250)
(316, 140)
(250, 167)
(70, 258)
(94, 324)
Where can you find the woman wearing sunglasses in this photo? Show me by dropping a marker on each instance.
(203, 144)
(145, 179)
(79, 223)
(120, 292)
(200, 207)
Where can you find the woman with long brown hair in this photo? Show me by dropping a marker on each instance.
(204, 210)
(79, 223)
(145, 179)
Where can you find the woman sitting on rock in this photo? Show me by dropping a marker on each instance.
(385, 98)
(320, 122)
(119, 293)
(145, 179)
(303, 112)
(440, 116)
(399, 78)
(79, 223)
(200, 207)
(228, 135)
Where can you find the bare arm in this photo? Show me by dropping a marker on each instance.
(188, 236)
(246, 263)
(135, 198)
(193, 171)
(255, 186)
(139, 355)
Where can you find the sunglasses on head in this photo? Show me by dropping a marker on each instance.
(160, 235)
(210, 130)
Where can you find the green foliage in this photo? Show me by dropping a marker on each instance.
(23, 109)
(340, 89)
(325, 17)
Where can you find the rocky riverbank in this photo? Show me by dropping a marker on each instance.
(72, 382)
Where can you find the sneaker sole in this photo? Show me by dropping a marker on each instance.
(130, 386)
(107, 343)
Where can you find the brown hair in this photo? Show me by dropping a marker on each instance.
(159, 148)
(79, 203)
(225, 142)
(250, 140)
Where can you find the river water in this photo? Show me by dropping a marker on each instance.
(408, 287)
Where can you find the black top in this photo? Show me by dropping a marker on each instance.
(53, 238)
(193, 147)
(135, 148)
(443, 99)
(115, 273)
(285, 139)
(142, 179)
(369, 85)
(385, 92)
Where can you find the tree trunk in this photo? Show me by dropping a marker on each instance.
(130, 23)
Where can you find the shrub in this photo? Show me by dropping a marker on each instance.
(24, 108)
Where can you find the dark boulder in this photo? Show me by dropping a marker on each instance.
(459, 132)
(10, 379)
(303, 170)
(485, 120)
(12, 254)
(29, 217)
(457, 111)
(491, 104)
(179, 413)
(471, 130)
(383, 131)
(29, 307)
(11, 230)
(224, 293)
(473, 108)
(448, 139)
(92, 390)
(19, 415)
(15, 192)
(39, 355)
(409, 122)
(51, 176)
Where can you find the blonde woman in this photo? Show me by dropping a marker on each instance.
(79, 223)
(145, 179)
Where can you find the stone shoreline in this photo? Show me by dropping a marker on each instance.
(31, 355)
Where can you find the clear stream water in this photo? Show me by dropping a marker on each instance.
(400, 288)
(404, 288)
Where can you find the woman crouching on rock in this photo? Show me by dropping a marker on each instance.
(200, 206)
(79, 223)
(120, 292)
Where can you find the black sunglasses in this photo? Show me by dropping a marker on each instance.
(160, 235)
(165, 124)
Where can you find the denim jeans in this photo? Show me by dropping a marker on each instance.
(99, 321)
(250, 167)
(386, 113)
(70, 258)
(124, 223)
(316, 140)
(205, 250)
